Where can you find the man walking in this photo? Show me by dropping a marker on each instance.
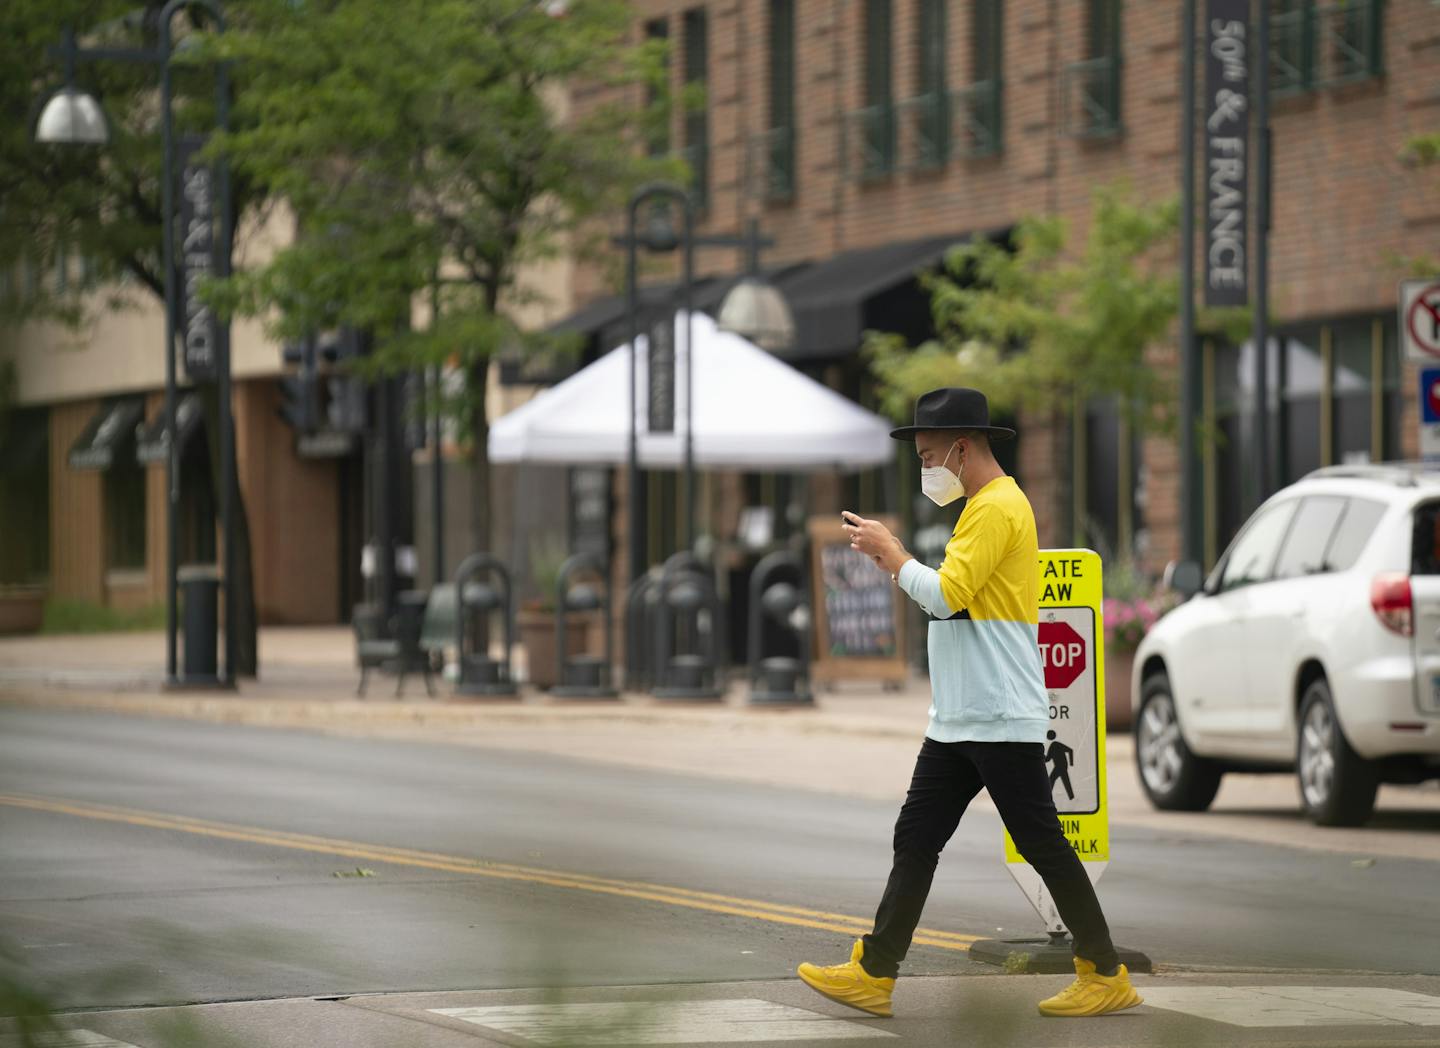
(988, 716)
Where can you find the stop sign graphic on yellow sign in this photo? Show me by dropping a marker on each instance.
(1062, 652)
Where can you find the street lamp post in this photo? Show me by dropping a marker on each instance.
(74, 117)
(651, 191)
(754, 309)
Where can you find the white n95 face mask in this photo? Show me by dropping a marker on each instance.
(940, 485)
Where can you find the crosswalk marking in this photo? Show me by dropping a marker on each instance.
(65, 1039)
(1262, 1006)
(661, 1022)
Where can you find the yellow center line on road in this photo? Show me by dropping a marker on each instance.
(683, 897)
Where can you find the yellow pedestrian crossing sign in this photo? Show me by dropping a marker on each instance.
(1071, 637)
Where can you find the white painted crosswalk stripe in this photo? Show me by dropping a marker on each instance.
(1266, 1006)
(66, 1039)
(661, 1022)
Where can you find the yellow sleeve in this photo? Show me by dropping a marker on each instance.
(973, 552)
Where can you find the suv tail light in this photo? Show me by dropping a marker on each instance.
(1393, 603)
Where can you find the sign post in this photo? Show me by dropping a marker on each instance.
(1072, 652)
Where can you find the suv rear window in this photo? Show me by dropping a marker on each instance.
(1353, 533)
(1425, 545)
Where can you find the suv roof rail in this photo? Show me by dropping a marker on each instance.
(1406, 474)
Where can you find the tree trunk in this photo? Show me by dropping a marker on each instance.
(244, 660)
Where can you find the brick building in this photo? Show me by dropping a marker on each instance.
(866, 135)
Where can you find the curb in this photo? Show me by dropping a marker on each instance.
(357, 714)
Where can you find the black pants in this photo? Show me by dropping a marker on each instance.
(947, 777)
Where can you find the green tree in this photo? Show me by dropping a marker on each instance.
(1423, 149)
(427, 154)
(1040, 326)
(98, 205)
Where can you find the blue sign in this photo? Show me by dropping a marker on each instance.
(1430, 395)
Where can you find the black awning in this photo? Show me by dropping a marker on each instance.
(107, 433)
(609, 312)
(603, 325)
(828, 298)
(151, 445)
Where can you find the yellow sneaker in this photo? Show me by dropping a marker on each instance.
(1092, 993)
(850, 984)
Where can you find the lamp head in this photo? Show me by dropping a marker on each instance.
(660, 235)
(755, 310)
(72, 117)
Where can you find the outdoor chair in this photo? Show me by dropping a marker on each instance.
(423, 624)
(414, 656)
(372, 649)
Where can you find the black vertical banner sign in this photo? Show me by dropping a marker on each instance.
(662, 373)
(1227, 130)
(196, 252)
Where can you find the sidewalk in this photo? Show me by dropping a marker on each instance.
(309, 679)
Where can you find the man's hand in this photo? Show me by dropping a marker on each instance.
(874, 540)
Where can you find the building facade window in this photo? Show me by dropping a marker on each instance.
(1110, 485)
(871, 129)
(1324, 44)
(1091, 88)
(775, 149)
(697, 111)
(124, 494)
(926, 117)
(25, 496)
(1333, 398)
(980, 108)
(658, 139)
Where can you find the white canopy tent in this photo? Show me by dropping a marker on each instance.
(753, 412)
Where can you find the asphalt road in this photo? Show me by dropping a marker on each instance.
(218, 879)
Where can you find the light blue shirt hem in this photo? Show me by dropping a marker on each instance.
(1012, 730)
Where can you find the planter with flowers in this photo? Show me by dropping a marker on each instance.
(1131, 608)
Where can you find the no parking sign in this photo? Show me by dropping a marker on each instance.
(1430, 413)
(1072, 652)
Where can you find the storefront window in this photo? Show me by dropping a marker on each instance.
(1301, 383)
(25, 496)
(1325, 376)
(124, 487)
(1114, 494)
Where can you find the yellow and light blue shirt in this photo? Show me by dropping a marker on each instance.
(986, 681)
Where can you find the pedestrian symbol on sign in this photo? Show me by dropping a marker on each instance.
(1061, 757)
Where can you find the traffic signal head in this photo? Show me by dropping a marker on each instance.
(299, 402)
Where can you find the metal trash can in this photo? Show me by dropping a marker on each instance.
(200, 603)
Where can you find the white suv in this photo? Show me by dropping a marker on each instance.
(1313, 646)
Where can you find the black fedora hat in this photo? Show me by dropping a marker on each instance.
(952, 407)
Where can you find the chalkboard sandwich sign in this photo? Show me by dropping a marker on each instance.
(858, 612)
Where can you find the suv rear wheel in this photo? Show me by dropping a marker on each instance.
(1173, 778)
(1337, 785)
